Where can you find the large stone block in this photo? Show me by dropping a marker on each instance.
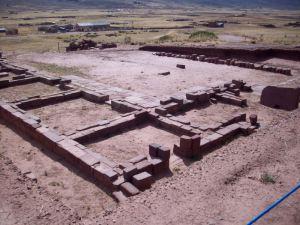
(185, 146)
(196, 139)
(280, 97)
(119, 196)
(159, 166)
(86, 162)
(153, 149)
(144, 166)
(143, 180)
(164, 153)
(129, 189)
(129, 172)
(138, 159)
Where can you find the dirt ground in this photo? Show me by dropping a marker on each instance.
(224, 187)
(60, 184)
(138, 71)
(73, 114)
(134, 142)
(9, 77)
(27, 90)
(209, 114)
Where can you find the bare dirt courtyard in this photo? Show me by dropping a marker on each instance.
(226, 186)
(74, 114)
(135, 142)
(138, 71)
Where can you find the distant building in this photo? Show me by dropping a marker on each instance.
(56, 28)
(215, 24)
(2, 30)
(92, 26)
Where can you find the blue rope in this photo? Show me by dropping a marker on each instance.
(273, 205)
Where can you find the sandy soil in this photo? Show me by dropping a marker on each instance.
(209, 114)
(134, 142)
(138, 71)
(73, 114)
(62, 182)
(225, 186)
(9, 77)
(24, 201)
(27, 90)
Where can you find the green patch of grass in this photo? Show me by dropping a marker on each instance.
(165, 38)
(54, 184)
(57, 70)
(176, 169)
(267, 178)
(57, 184)
(203, 36)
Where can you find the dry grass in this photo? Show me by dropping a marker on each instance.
(57, 70)
(30, 40)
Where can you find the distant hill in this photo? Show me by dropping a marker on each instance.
(37, 4)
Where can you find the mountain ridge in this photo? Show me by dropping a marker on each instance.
(277, 4)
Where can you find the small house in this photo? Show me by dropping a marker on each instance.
(92, 26)
(2, 30)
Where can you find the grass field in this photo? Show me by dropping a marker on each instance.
(245, 25)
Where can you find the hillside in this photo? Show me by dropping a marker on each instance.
(36, 4)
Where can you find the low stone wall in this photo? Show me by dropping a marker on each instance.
(252, 54)
(137, 174)
(227, 61)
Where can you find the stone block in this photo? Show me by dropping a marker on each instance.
(185, 147)
(153, 149)
(53, 138)
(87, 161)
(171, 107)
(165, 73)
(105, 175)
(129, 172)
(244, 126)
(161, 111)
(180, 66)
(215, 139)
(192, 96)
(280, 97)
(143, 180)
(205, 145)
(116, 184)
(196, 139)
(141, 115)
(159, 166)
(144, 166)
(110, 175)
(203, 97)
(178, 100)
(165, 101)
(253, 119)
(164, 153)
(119, 196)
(129, 189)
(125, 165)
(138, 159)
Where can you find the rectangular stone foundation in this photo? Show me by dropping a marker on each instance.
(134, 142)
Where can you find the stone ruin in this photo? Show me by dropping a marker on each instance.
(229, 62)
(88, 44)
(127, 178)
(81, 45)
(280, 97)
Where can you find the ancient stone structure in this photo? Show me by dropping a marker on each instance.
(227, 61)
(280, 97)
(124, 179)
